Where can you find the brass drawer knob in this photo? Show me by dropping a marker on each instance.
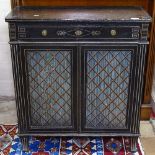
(113, 32)
(44, 33)
(78, 33)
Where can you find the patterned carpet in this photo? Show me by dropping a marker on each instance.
(7, 133)
(10, 144)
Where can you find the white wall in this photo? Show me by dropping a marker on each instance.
(6, 78)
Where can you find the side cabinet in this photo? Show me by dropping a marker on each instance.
(78, 71)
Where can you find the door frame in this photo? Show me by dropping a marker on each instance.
(74, 109)
(134, 47)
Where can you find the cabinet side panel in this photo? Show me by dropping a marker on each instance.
(138, 87)
(19, 88)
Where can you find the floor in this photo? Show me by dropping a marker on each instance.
(8, 112)
(147, 137)
(8, 116)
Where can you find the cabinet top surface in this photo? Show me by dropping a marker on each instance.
(122, 14)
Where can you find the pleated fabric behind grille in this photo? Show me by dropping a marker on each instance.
(49, 74)
(107, 76)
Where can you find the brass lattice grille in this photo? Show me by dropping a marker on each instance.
(107, 88)
(49, 74)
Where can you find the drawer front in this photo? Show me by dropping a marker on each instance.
(75, 32)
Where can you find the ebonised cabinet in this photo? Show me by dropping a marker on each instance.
(78, 71)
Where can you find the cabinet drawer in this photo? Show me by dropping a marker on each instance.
(72, 32)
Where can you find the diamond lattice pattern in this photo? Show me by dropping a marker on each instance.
(49, 74)
(107, 88)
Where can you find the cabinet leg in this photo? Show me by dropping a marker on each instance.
(25, 143)
(133, 143)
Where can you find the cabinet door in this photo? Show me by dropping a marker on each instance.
(107, 98)
(51, 99)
